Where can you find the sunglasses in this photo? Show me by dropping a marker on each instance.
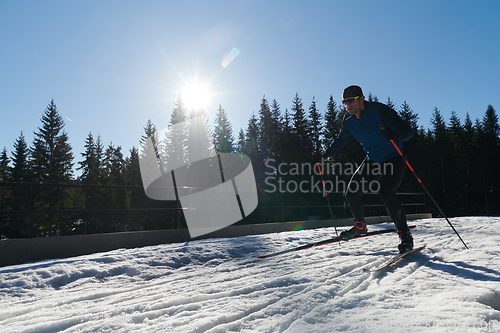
(350, 100)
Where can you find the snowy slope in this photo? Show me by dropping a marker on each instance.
(219, 285)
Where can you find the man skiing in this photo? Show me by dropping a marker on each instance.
(374, 125)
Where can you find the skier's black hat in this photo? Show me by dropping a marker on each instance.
(352, 91)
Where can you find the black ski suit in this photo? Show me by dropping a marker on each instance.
(382, 164)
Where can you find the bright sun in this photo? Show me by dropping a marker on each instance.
(196, 95)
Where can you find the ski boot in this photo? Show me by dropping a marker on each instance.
(406, 241)
(359, 229)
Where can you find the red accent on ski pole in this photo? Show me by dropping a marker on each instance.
(427, 192)
(400, 153)
(322, 181)
(407, 163)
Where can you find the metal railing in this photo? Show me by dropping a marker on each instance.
(301, 210)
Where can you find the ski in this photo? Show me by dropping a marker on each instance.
(393, 260)
(329, 241)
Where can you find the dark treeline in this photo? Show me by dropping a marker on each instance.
(455, 159)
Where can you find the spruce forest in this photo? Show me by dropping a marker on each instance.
(41, 196)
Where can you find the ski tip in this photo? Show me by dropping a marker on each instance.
(395, 259)
(262, 257)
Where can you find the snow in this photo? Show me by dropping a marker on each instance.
(219, 285)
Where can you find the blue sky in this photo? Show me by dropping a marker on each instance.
(111, 65)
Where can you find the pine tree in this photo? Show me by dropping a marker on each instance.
(92, 174)
(174, 148)
(152, 165)
(478, 184)
(113, 165)
(390, 103)
(180, 112)
(241, 142)
(301, 131)
(252, 139)
(491, 127)
(287, 138)
(205, 128)
(414, 147)
(439, 153)
(19, 198)
(332, 127)
(52, 162)
(51, 153)
(457, 156)
(316, 128)
(408, 116)
(438, 125)
(489, 144)
(223, 133)
(456, 129)
(287, 123)
(150, 131)
(266, 127)
(135, 197)
(4, 166)
(132, 173)
(21, 171)
(92, 165)
(277, 129)
(372, 98)
(470, 151)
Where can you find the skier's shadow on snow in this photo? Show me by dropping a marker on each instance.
(464, 270)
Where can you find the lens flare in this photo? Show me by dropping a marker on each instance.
(297, 226)
(229, 56)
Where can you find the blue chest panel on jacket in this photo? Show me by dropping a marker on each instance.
(366, 130)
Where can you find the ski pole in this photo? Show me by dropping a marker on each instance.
(426, 190)
(327, 199)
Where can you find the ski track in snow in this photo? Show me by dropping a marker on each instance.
(219, 285)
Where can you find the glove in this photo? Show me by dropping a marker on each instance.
(316, 157)
(390, 134)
